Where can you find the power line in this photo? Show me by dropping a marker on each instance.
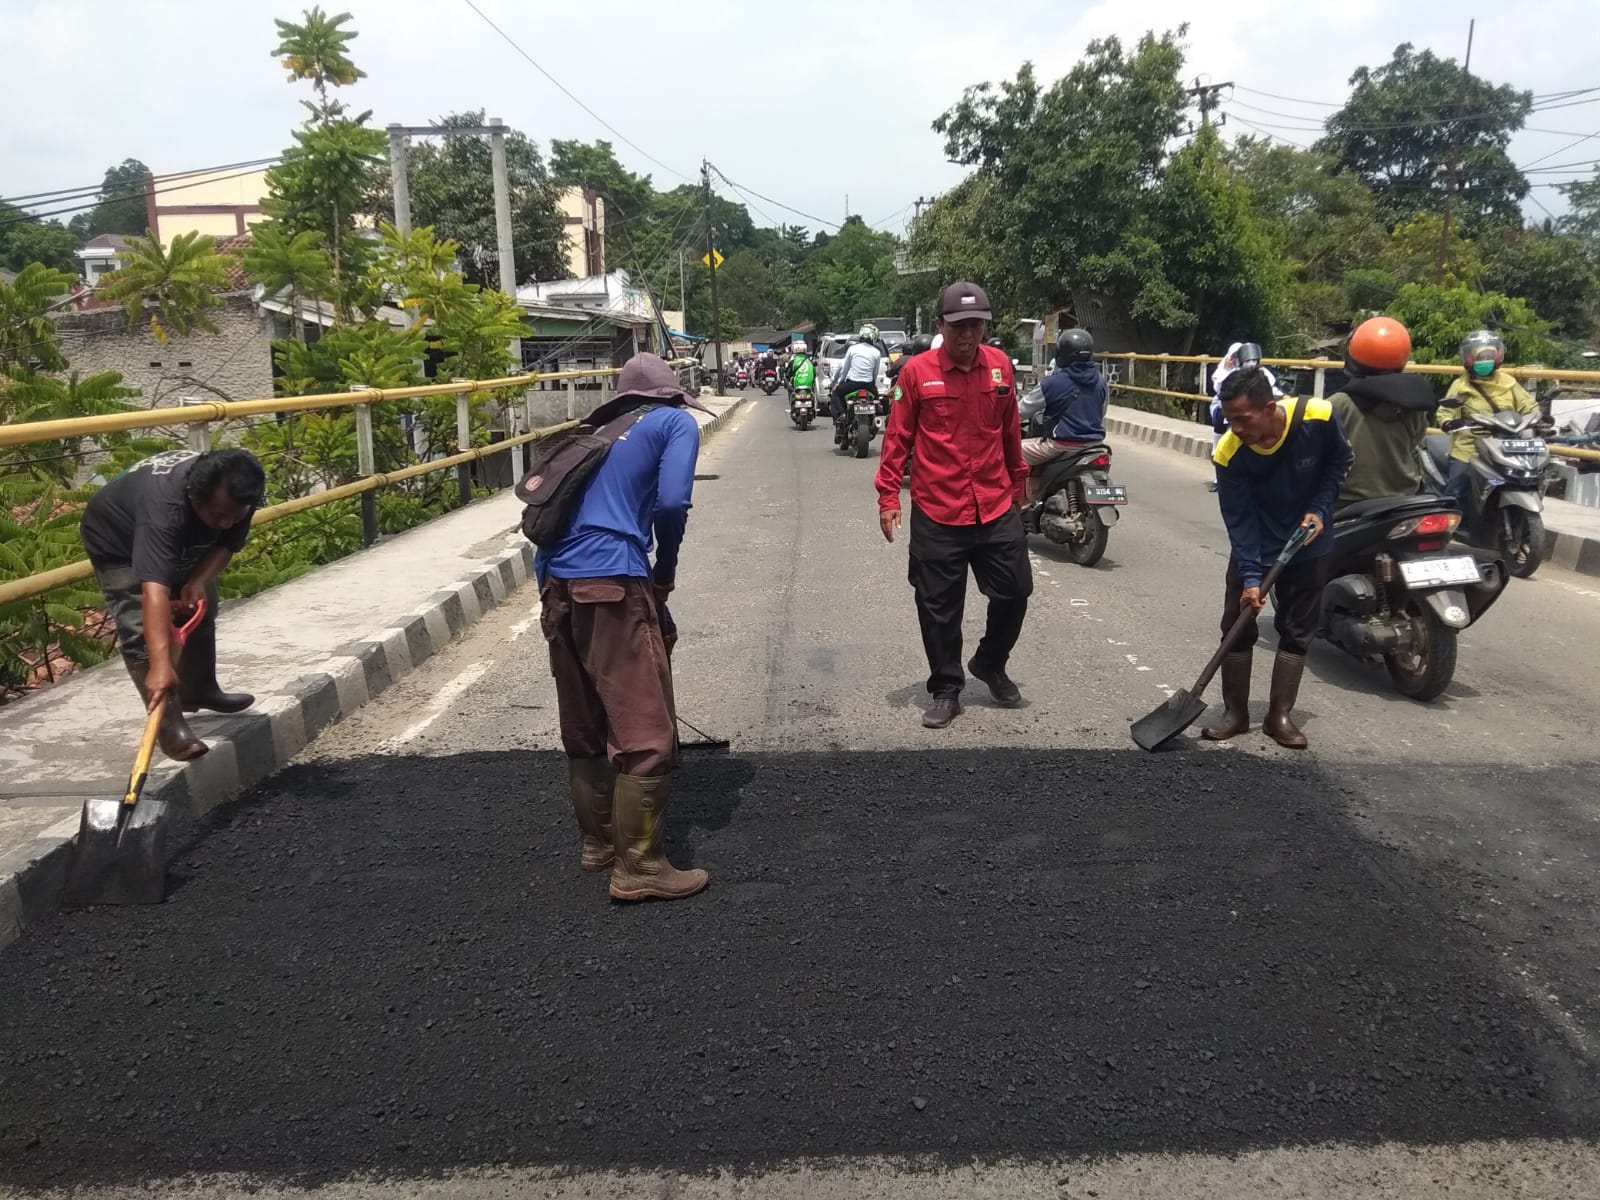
(95, 189)
(56, 212)
(510, 41)
(779, 203)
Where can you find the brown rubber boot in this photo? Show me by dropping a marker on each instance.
(591, 781)
(177, 741)
(1286, 672)
(1235, 700)
(639, 824)
(197, 675)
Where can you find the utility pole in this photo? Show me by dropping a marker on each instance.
(711, 259)
(399, 180)
(683, 295)
(1454, 183)
(502, 224)
(1209, 97)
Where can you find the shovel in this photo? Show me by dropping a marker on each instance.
(121, 854)
(1183, 708)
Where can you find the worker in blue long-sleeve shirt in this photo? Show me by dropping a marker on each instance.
(1279, 466)
(604, 615)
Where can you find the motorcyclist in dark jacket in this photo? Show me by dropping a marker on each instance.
(1385, 412)
(1075, 401)
(920, 344)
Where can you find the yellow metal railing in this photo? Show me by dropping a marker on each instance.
(206, 412)
(1321, 366)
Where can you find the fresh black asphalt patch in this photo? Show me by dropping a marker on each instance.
(393, 965)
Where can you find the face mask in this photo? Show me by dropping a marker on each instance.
(1483, 367)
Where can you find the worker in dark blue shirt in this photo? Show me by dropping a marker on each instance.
(603, 606)
(1279, 466)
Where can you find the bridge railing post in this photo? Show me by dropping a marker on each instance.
(1319, 382)
(527, 417)
(197, 433)
(463, 443)
(367, 464)
(572, 399)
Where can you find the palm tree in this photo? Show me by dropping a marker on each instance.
(28, 336)
(294, 263)
(315, 49)
(176, 284)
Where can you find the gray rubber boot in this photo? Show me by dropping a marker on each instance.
(591, 781)
(1235, 699)
(639, 825)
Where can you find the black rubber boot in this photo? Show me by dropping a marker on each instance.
(1235, 699)
(1286, 672)
(177, 741)
(197, 674)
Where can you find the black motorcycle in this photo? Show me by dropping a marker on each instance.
(769, 380)
(802, 407)
(861, 418)
(1398, 595)
(1077, 502)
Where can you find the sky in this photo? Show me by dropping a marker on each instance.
(807, 109)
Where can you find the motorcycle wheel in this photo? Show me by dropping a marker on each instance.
(863, 439)
(1426, 672)
(1089, 551)
(1521, 541)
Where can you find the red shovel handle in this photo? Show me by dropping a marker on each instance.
(180, 633)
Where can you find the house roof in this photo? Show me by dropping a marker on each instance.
(233, 248)
(106, 241)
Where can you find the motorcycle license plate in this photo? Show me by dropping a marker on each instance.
(1109, 493)
(1523, 445)
(1425, 571)
(866, 407)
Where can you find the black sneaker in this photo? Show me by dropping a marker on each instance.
(1005, 693)
(941, 712)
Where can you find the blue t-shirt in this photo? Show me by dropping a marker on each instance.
(1266, 493)
(643, 487)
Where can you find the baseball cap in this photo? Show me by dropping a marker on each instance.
(963, 301)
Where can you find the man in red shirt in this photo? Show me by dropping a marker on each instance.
(954, 414)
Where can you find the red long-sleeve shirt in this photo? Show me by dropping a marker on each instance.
(963, 434)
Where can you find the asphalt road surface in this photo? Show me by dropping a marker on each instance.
(1015, 958)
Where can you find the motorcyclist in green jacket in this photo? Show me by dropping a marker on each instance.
(802, 371)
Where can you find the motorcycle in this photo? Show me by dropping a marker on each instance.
(1077, 503)
(860, 420)
(769, 380)
(802, 408)
(1505, 499)
(1398, 595)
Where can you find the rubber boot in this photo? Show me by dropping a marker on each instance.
(639, 824)
(591, 781)
(1286, 672)
(197, 675)
(1235, 699)
(177, 741)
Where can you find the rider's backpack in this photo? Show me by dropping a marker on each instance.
(552, 489)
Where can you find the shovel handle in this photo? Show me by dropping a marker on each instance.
(1248, 616)
(180, 633)
(141, 760)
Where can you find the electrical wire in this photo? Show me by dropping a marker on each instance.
(510, 41)
(95, 190)
(741, 189)
(56, 212)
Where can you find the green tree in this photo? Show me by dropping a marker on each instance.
(121, 206)
(1438, 317)
(290, 264)
(1551, 271)
(25, 239)
(452, 189)
(1411, 252)
(1582, 219)
(1406, 120)
(29, 340)
(1070, 166)
(324, 180)
(176, 285)
(749, 287)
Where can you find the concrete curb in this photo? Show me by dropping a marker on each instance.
(1573, 551)
(247, 748)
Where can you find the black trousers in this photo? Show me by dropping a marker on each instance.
(1296, 601)
(836, 396)
(997, 552)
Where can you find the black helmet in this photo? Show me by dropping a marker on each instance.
(1074, 345)
(921, 344)
(1248, 355)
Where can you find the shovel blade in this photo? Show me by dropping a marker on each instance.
(119, 860)
(1160, 726)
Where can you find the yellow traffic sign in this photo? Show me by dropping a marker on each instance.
(706, 258)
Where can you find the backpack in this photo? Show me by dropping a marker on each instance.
(552, 489)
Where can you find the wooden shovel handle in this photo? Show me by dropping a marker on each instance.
(141, 761)
(1246, 616)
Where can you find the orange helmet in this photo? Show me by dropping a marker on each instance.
(1379, 344)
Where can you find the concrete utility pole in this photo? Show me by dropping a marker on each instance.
(683, 296)
(1453, 185)
(1209, 97)
(711, 260)
(399, 180)
(502, 207)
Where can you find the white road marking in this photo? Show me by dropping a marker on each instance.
(522, 626)
(437, 707)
